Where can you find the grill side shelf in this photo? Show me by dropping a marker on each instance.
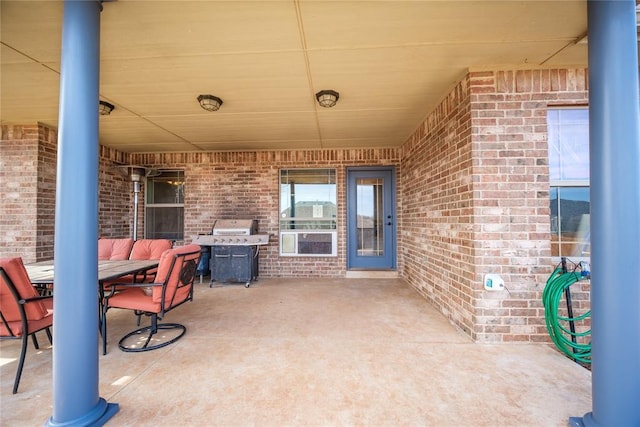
(229, 240)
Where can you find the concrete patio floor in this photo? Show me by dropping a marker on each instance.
(313, 352)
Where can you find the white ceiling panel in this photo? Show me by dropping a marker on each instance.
(214, 127)
(10, 56)
(170, 86)
(120, 131)
(262, 145)
(372, 142)
(33, 28)
(148, 29)
(378, 123)
(36, 96)
(350, 24)
(156, 147)
(391, 62)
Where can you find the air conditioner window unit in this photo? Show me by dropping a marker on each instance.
(309, 243)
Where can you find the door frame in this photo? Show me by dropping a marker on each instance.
(350, 223)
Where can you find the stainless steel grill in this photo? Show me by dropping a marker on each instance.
(234, 247)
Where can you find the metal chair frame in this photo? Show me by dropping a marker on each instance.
(26, 332)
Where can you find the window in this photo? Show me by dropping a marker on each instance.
(164, 209)
(568, 136)
(308, 212)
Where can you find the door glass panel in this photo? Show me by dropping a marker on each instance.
(369, 216)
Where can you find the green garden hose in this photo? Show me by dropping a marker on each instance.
(560, 327)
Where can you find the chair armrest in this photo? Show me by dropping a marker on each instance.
(38, 298)
(134, 285)
(113, 287)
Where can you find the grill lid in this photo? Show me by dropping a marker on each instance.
(242, 227)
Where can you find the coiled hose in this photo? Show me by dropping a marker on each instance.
(561, 328)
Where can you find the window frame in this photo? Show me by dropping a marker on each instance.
(564, 183)
(179, 235)
(288, 236)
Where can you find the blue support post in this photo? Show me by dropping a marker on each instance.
(75, 328)
(614, 106)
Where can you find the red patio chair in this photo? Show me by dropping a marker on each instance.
(172, 287)
(23, 311)
(143, 249)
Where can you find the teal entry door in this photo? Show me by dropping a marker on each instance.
(371, 218)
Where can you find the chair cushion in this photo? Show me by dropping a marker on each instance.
(149, 248)
(33, 325)
(35, 310)
(114, 249)
(134, 299)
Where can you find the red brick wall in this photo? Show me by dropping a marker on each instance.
(116, 197)
(46, 191)
(28, 156)
(437, 239)
(477, 191)
(27, 190)
(509, 111)
(19, 191)
(225, 185)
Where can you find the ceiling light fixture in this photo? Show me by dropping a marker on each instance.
(104, 108)
(210, 102)
(327, 98)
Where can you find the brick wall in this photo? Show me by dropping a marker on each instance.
(509, 110)
(437, 228)
(222, 185)
(19, 191)
(28, 165)
(477, 173)
(27, 190)
(218, 185)
(46, 191)
(116, 197)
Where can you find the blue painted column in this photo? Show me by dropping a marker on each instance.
(75, 323)
(614, 115)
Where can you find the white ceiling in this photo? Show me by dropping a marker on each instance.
(391, 62)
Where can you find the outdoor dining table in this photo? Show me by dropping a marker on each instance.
(41, 272)
(42, 277)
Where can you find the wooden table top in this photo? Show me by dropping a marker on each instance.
(42, 271)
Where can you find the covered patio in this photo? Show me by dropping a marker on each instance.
(449, 99)
(314, 352)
